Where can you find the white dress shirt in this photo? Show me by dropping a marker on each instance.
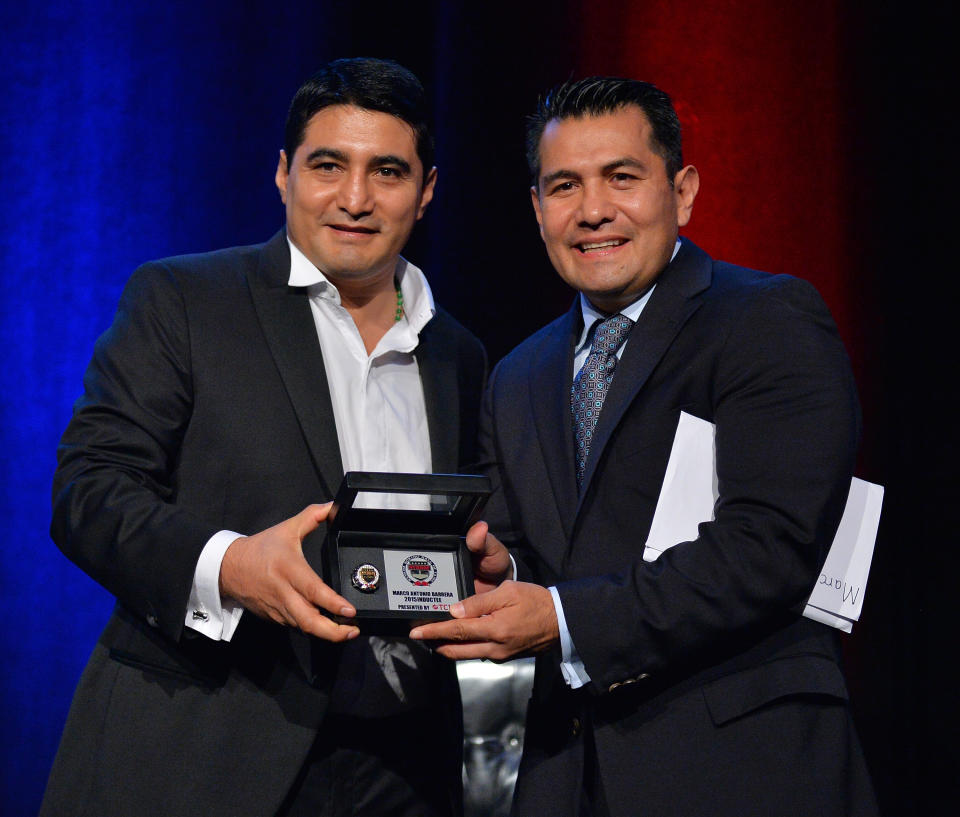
(377, 403)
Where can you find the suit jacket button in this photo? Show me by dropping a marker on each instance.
(615, 685)
(575, 727)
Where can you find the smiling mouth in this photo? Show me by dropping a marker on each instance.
(352, 228)
(595, 246)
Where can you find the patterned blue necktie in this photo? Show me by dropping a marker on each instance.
(591, 385)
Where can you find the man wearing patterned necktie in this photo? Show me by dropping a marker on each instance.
(690, 685)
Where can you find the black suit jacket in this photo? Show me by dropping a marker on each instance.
(206, 407)
(709, 693)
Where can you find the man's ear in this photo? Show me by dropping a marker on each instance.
(535, 200)
(426, 195)
(282, 174)
(685, 186)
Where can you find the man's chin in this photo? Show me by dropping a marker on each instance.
(609, 300)
(362, 273)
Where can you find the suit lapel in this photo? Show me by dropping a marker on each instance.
(291, 335)
(551, 376)
(288, 326)
(438, 374)
(675, 299)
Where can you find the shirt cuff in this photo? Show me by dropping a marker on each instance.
(572, 668)
(206, 612)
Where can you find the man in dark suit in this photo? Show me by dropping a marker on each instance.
(690, 685)
(227, 399)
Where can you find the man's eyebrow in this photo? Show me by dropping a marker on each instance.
(326, 153)
(624, 161)
(550, 178)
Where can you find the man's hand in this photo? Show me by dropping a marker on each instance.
(515, 619)
(491, 559)
(268, 575)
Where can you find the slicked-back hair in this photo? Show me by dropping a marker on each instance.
(595, 96)
(365, 82)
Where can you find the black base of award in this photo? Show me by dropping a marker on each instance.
(401, 566)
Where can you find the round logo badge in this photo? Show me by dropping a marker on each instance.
(419, 570)
(366, 578)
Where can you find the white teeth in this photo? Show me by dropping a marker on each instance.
(614, 242)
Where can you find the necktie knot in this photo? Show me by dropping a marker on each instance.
(611, 334)
(591, 384)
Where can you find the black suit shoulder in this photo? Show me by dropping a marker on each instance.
(465, 348)
(213, 262)
(514, 369)
(534, 342)
(741, 287)
(201, 274)
(445, 327)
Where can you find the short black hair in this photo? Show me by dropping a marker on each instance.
(366, 82)
(595, 96)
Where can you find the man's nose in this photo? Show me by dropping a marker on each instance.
(595, 207)
(354, 195)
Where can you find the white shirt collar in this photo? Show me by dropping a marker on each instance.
(418, 303)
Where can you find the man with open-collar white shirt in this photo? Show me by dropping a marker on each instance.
(220, 411)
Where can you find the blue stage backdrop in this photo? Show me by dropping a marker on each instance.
(129, 131)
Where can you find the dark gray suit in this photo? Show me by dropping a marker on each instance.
(206, 407)
(710, 695)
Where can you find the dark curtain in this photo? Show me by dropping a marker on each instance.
(133, 131)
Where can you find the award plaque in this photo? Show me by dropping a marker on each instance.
(408, 560)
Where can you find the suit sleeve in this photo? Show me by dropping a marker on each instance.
(114, 511)
(787, 423)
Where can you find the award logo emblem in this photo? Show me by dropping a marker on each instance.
(366, 578)
(394, 565)
(419, 570)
